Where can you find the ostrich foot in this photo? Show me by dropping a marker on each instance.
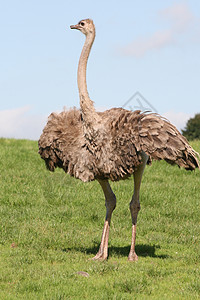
(100, 256)
(132, 256)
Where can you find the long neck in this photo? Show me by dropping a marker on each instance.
(86, 104)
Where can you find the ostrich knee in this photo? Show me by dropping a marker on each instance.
(110, 204)
(134, 209)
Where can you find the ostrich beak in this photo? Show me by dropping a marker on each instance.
(75, 26)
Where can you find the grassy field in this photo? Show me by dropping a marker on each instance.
(51, 226)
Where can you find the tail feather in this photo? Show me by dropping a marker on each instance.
(161, 140)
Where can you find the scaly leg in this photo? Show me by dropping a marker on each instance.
(110, 202)
(135, 205)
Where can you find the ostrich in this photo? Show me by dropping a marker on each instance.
(110, 145)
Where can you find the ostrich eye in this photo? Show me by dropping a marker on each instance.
(82, 23)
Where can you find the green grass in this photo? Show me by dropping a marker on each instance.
(51, 226)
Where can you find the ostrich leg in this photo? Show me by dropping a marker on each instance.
(135, 205)
(110, 202)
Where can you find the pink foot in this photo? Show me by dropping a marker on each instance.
(100, 256)
(133, 257)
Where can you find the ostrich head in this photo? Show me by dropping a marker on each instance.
(85, 26)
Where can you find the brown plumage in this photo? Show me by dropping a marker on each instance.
(110, 145)
(116, 151)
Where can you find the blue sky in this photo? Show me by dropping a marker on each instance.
(147, 46)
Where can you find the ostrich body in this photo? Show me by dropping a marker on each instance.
(111, 145)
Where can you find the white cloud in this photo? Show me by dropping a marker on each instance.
(179, 119)
(101, 108)
(20, 124)
(179, 18)
(179, 15)
(140, 46)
